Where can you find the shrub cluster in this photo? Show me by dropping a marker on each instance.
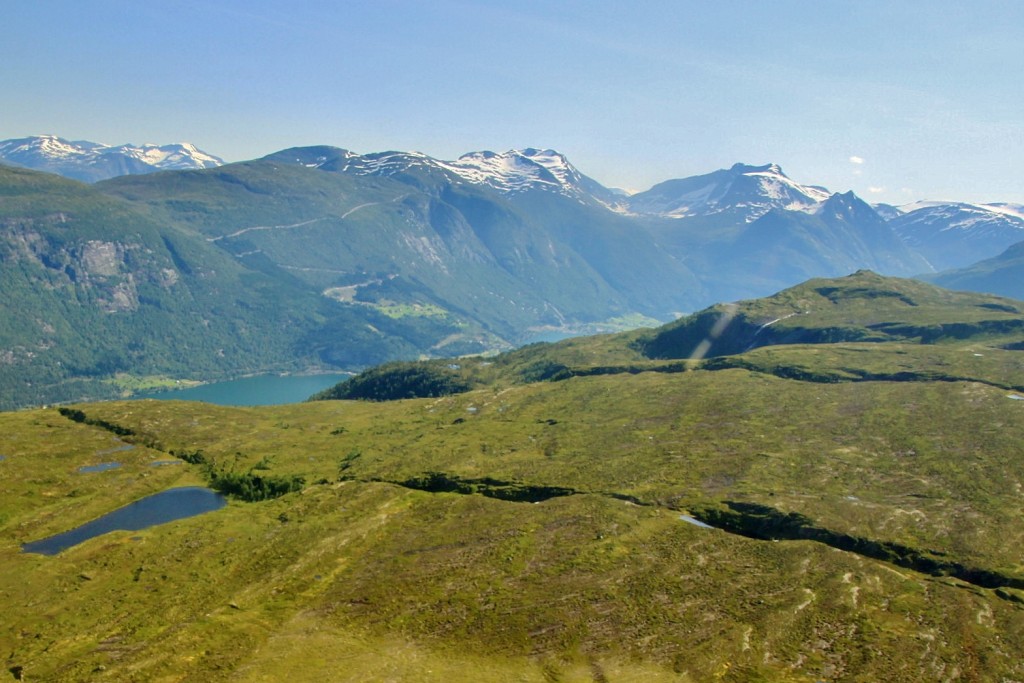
(394, 381)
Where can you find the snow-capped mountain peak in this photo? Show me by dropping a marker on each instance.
(183, 155)
(519, 170)
(44, 145)
(92, 161)
(1001, 208)
(511, 173)
(752, 190)
(955, 234)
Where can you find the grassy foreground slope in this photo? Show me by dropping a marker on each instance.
(531, 530)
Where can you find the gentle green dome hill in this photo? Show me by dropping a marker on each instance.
(860, 327)
(863, 307)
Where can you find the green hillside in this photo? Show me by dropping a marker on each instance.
(530, 528)
(1002, 274)
(864, 307)
(100, 295)
(92, 288)
(422, 240)
(315, 259)
(856, 328)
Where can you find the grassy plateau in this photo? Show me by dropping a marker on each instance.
(522, 519)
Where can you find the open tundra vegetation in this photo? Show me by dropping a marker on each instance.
(823, 485)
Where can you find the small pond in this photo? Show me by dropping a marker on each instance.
(118, 449)
(99, 467)
(158, 508)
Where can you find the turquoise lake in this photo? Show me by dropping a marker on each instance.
(263, 390)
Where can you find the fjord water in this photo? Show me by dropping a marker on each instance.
(159, 508)
(262, 390)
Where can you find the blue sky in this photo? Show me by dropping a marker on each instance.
(898, 101)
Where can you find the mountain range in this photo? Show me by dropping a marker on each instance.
(957, 234)
(93, 161)
(1002, 274)
(322, 258)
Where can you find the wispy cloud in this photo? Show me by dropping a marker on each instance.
(876, 190)
(856, 160)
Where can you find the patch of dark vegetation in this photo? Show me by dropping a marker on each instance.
(248, 486)
(931, 334)
(172, 251)
(348, 461)
(1015, 346)
(845, 374)
(556, 372)
(1006, 308)
(751, 520)
(679, 340)
(438, 482)
(835, 294)
(399, 380)
(629, 499)
(545, 371)
(76, 415)
(766, 523)
(1007, 595)
(862, 375)
(783, 371)
(252, 487)
(72, 414)
(196, 457)
(631, 369)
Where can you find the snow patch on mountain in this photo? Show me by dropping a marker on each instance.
(1001, 208)
(511, 173)
(385, 163)
(91, 161)
(516, 170)
(753, 190)
(44, 145)
(922, 218)
(1015, 210)
(177, 156)
(956, 234)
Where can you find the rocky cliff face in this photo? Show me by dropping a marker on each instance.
(100, 273)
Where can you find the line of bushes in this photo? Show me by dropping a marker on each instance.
(763, 522)
(395, 381)
(78, 416)
(248, 486)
